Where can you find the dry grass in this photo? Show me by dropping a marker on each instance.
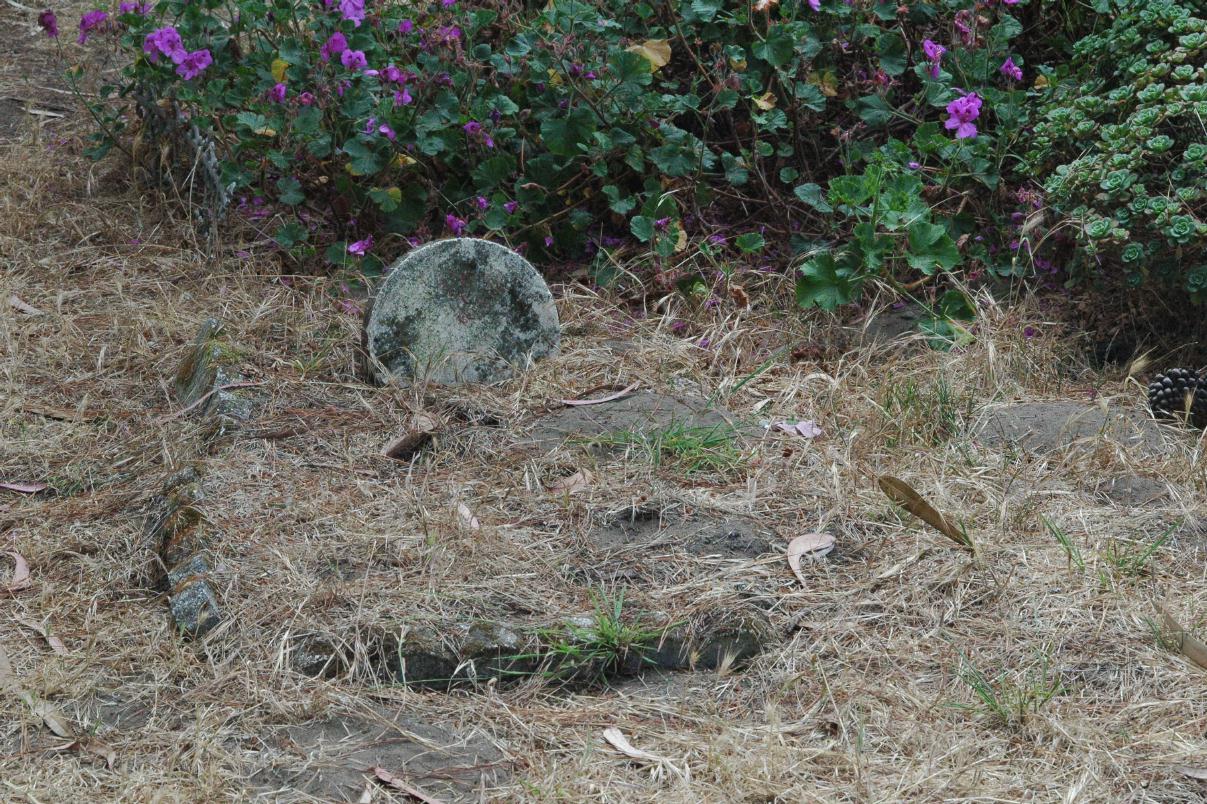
(870, 691)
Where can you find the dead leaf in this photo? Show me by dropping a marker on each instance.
(20, 579)
(24, 488)
(1193, 773)
(579, 481)
(54, 642)
(467, 517)
(765, 5)
(1190, 645)
(43, 709)
(423, 429)
(804, 429)
(90, 746)
(903, 494)
(766, 101)
(813, 545)
(617, 740)
(656, 51)
(623, 392)
(739, 295)
(21, 306)
(398, 784)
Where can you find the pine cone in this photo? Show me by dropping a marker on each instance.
(1179, 394)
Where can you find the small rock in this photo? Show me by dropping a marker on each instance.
(318, 656)
(457, 311)
(643, 412)
(194, 607)
(206, 370)
(1133, 490)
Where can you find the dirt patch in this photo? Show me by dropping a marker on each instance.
(1133, 490)
(327, 758)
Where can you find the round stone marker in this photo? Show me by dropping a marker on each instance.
(461, 310)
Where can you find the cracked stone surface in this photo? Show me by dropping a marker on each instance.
(461, 310)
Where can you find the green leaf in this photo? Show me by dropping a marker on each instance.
(642, 228)
(289, 191)
(290, 235)
(931, 249)
(567, 136)
(827, 283)
(890, 46)
(386, 198)
(364, 161)
(777, 49)
(750, 242)
(811, 194)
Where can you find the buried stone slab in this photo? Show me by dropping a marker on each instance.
(206, 376)
(640, 414)
(702, 535)
(1054, 426)
(457, 311)
(580, 650)
(330, 758)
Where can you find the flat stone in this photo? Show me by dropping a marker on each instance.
(892, 324)
(1133, 490)
(337, 750)
(1055, 426)
(194, 607)
(458, 311)
(644, 412)
(318, 655)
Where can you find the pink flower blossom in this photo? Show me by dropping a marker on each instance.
(455, 224)
(961, 112)
(89, 23)
(49, 23)
(336, 43)
(1011, 70)
(165, 41)
(934, 53)
(353, 59)
(815, 5)
(277, 93)
(386, 132)
(361, 247)
(405, 27)
(306, 99)
(194, 64)
(402, 97)
(353, 11)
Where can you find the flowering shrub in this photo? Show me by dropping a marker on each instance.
(1122, 142)
(864, 133)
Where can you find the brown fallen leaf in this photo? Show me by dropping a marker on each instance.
(24, 488)
(813, 545)
(422, 430)
(623, 392)
(53, 641)
(87, 745)
(20, 579)
(467, 517)
(1190, 645)
(410, 789)
(903, 494)
(22, 306)
(617, 740)
(46, 711)
(579, 481)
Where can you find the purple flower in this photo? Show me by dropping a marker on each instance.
(306, 99)
(353, 59)
(448, 3)
(164, 41)
(405, 27)
(386, 132)
(49, 23)
(194, 64)
(132, 8)
(482, 202)
(704, 343)
(392, 73)
(455, 224)
(337, 43)
(961, 22)
(914, 165)
(661, 223)
(961, 112)
(717, 240)
(1011, 70)
(511, 207)
(277, 93)
(934, 53)
(472, 128)
(353, 11)
(361, 247)
(815, 5)
(402, 97)
(1030, 332)
(90, 22)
